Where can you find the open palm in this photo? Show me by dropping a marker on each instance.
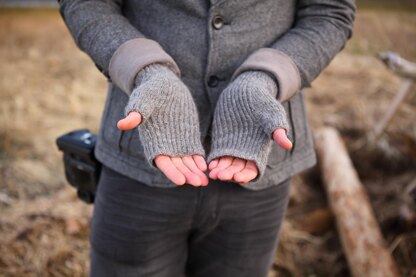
(229, 168)
(180, 170)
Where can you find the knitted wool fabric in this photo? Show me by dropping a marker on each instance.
(170, 123)
(246, 115)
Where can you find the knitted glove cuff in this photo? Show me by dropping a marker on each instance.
(157, 75)
(258, 97)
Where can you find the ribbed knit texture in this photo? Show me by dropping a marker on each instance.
(246, 115)
(170, 123)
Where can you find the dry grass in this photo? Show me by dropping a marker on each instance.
(377, 31)
(48, 87)
(45, 237)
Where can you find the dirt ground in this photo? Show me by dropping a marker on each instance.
(48, 87)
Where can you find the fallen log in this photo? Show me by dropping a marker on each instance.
(401, 95)
(398, 65)
(402, 68)
(361, 238)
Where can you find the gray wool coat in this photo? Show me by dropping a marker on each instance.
(207, 43)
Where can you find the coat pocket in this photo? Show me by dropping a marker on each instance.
(277, 153)
(299, 119)
(298, 135)
(131, 144)
(127, 142)
(113, 113)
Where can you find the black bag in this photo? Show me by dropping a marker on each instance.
(82, 169)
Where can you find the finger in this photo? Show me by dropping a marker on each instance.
(213, 164)
(281, 139)
(165, 164)
(129, 122)
(200, 162)
(191, 178)
(189, 162)
(247, 174)
(224, 162)
(228, 173)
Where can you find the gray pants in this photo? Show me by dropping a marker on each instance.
(219, 230)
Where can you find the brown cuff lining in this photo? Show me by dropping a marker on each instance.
(279, 65)
(132, 56)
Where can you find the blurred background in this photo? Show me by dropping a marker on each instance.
(49, 87)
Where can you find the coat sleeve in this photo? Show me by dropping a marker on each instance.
(117, 48)
(295, 59)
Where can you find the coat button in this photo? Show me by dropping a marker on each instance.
(217, 22)
(213, 81)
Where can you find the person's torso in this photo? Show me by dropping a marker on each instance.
(209, 40)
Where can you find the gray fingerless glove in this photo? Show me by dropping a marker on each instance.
(170, 124)
(246, 115)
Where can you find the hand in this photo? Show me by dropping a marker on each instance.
(246, 118)
(180, 170)
(162, 109)
(228, 168)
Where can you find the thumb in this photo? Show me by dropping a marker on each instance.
(281, 139)
(129, 122)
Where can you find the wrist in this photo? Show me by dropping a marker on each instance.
(277, 63)
(154, 70)
(134, 55)
(257, 80)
